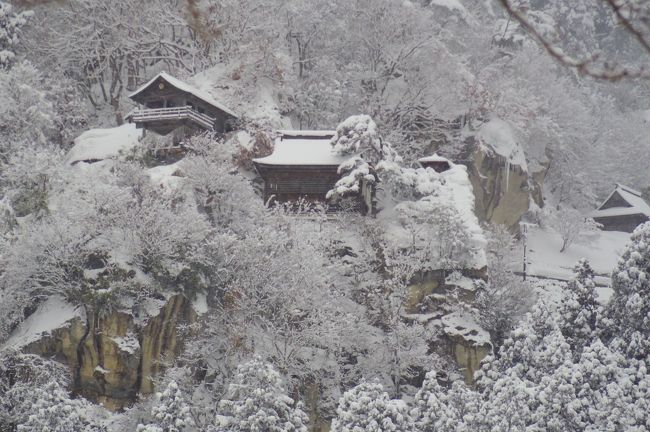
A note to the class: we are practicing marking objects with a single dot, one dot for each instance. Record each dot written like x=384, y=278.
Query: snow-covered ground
x=602, y=249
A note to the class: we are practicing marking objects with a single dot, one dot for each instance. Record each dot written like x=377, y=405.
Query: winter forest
x=309, y=215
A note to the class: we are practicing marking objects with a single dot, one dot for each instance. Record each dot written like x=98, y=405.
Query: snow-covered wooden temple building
x=623, y=210
x=304, y=166
x=437, y=163
x=166, y=103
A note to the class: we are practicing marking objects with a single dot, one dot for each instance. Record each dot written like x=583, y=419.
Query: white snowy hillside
x=324, y=216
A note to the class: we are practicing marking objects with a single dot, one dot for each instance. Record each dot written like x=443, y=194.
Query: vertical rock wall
x=111, y=357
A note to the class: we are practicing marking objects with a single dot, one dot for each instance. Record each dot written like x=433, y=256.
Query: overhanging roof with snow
x=623, y=201
x=302, y=148
x=139, y=94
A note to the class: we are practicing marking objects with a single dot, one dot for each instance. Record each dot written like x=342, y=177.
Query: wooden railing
x=176, y=113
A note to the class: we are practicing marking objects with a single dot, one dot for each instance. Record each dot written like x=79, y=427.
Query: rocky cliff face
x=503, y=192
x=112, y=356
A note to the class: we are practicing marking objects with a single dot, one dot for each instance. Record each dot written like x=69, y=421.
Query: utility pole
x=525, y=238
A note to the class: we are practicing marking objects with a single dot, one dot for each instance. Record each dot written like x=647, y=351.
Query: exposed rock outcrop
x=503, y=192
x=112, y=356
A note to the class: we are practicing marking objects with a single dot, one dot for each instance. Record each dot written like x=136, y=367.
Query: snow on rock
x=463, y=282
x=450, y=188
x=200, y=304
x=463, y=325
x=51, y=315
x=458, y=190
x=498, y=136
x=166, y=176
x=244, y=140
x=128, y=343
x=99, y=144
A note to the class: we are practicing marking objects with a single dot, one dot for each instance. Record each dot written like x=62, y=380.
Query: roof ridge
x=629, y=189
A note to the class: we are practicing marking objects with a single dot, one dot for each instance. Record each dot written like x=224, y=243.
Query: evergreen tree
x=428, y=405
x=10, y=24
x=257, y=401
x=627, y=315
x=54, y=411
x=171, y=413
x=367, y=407
x=579, y=309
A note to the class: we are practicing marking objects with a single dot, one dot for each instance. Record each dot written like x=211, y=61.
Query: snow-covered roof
x=631, y=196
x=100, y=144
x=291, y=148
x=175, y=82
x=433, y=158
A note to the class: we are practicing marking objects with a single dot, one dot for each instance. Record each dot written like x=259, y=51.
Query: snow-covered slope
x=50, y=315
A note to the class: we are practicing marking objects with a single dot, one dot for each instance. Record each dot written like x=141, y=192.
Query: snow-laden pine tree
x=579, y=310
x=627, y=315
x=463, y=408
x=10, y=23
x=608, y=399
x=170, y=413
x=52, y=410
x=358, y=137
x=427, y=405
x=367, y=407
x=257, y=401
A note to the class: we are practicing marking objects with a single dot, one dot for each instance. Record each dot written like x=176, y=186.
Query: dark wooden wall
x=625, y=223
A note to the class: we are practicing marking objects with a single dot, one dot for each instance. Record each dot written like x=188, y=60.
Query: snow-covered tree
x=504, y=299
x=53, y=410
x=627, y=316
x=11, y=22
x=367, y=407
x=257, y=400
x=572, y=226
x=579, y=310
x=359, y=138
x=428, y=404
x=170, y=413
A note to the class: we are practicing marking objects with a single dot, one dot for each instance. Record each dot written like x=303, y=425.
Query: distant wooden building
x=437, y=163
x=303, y=166
x=623, y=210
x=166, y=103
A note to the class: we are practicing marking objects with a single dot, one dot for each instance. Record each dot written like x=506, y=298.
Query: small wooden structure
x=623, y=210
x=437, y=163
x=166, y=103
x=303, y=166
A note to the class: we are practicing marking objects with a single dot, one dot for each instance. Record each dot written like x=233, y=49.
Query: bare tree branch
x=592, y=65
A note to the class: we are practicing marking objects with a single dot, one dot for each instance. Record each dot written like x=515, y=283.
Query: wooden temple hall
x=303, y=166
x=166, y=104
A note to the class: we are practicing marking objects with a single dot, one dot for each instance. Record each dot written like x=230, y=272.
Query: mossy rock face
x=469, y=356
x=431, y=285
x=502, y=192
x=111, y=357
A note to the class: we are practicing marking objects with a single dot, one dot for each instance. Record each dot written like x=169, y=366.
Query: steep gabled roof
x=298, y=147
x=180, y=85
x=637, y=204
